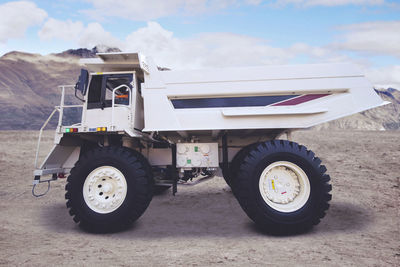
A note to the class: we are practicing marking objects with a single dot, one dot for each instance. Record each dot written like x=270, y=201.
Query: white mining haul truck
x=145, y=129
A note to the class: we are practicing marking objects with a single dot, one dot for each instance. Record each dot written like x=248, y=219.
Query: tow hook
x=37, y=181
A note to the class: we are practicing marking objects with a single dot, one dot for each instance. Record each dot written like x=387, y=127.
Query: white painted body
x=346, y=91
x=350, y=92
x=119, y=118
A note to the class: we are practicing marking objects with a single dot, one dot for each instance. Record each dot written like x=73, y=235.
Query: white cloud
x=207, y=49
x=64, y=30
x=17, y=17
x=317, y=54
x=145, y=10
x=135, y=10
x=342, y=2
x=94, y=34
x=227, y=49
x=388, y=76
x=220, y=49
x=85, y=36
x=381, y=37
x=210, y=49
x=309, y=3
x=253, y=2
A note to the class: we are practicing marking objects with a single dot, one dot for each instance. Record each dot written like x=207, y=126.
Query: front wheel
x=282, y=187
x=109, y=188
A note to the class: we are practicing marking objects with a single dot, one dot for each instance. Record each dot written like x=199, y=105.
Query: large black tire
x=272, y=217
x=139, y=189
x=235, y=164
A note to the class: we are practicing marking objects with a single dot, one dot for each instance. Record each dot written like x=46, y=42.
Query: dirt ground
x=204, y=225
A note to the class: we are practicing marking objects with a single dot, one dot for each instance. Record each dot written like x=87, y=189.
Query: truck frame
x=145, y=129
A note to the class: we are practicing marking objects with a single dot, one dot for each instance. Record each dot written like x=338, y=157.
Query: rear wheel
x=235, y=164
x=109, y=188
x=282, y=187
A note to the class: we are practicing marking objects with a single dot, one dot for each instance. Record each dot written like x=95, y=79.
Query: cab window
x=95, y=89
x=102, y=86
x=121, y=94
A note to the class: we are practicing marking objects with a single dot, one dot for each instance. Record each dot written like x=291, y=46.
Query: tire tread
x=243, y=187
x=141, y=188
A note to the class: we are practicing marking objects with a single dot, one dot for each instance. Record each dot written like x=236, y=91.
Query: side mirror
x=82, y=83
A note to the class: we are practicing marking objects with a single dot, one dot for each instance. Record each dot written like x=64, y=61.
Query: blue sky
x=200, y=33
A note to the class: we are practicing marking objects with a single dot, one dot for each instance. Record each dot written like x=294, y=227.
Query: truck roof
x=116, y=61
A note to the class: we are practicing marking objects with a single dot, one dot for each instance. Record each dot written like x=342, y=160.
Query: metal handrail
x=40, y=135
x=113, y=102
x=70, y=106
x=60, y=109
x=62, y=105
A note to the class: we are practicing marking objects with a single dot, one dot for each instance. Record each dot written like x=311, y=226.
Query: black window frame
x=103, y=103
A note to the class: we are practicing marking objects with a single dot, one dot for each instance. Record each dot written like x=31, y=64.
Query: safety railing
x=60, y=110
x=62, y=104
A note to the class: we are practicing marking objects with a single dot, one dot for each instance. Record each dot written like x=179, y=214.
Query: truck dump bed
x=297, y=96
x=264, y=97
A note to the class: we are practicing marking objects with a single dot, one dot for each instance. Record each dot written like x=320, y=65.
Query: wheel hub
x=284, y=186
x=105, y=189
x=281, y=185
x=108, y=187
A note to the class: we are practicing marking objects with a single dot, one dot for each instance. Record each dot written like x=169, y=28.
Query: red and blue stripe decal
x=300, y=99
x=247, y=101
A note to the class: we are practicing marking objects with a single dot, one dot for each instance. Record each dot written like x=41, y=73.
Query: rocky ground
x=204, y=225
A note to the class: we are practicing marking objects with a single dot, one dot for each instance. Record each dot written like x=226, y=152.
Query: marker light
x=101, y=129
x=71, y=130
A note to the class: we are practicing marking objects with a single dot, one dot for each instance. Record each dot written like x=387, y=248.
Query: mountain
x=382, y=118
x=29, y=86
x=29, y=92
x=86, y=53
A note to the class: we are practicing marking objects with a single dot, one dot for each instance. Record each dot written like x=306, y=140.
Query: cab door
x=110, y=101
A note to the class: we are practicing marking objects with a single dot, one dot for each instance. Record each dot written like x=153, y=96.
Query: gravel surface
x=204, y=225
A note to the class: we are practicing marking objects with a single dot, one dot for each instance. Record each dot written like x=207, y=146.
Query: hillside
x=29, y=86
x=382, y=118
x=29, y=92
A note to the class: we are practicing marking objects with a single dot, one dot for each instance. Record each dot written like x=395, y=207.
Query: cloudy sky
x=201, y=33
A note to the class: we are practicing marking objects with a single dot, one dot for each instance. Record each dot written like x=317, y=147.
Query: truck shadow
x=197, y=214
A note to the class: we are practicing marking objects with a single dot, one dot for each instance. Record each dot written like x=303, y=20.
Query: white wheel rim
x=284, y=186
x=104, y=189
